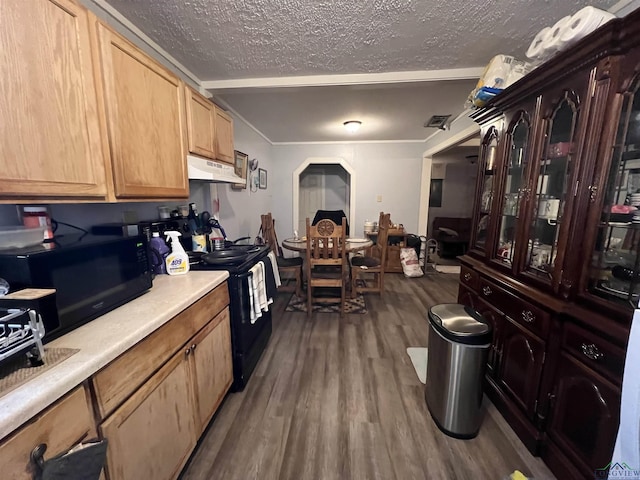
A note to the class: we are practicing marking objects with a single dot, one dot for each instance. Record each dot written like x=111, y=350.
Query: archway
x=351, y=174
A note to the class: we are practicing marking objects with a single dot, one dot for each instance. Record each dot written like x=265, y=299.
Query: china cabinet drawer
x=520, y=311
x=469, y=277
x=592, y=350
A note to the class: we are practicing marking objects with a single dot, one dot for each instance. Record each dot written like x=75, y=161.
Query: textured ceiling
x=387, y=112
x=253, y=39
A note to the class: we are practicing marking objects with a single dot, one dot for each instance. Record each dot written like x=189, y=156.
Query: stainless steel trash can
x=459, y=340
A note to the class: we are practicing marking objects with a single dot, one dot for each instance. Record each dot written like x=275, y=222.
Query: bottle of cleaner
x=177, y=261
x=159, y=251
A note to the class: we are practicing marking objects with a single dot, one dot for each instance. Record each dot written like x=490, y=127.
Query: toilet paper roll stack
x=566, y=31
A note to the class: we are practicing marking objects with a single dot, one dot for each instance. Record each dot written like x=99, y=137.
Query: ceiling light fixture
x=352, y=126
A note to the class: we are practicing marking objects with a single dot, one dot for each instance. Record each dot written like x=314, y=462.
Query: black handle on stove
x=244, y=275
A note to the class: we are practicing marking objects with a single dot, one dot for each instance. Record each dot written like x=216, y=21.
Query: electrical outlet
x=378, y=198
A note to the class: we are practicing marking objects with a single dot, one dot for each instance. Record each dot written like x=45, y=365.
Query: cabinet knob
x=487, y=291
x=528, y=316
x=594, y=193
x=193, y=348
x=187, y=352
x=591, y=351
x=467, y=276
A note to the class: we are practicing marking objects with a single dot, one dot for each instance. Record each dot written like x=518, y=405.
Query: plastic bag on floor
x=410, y=263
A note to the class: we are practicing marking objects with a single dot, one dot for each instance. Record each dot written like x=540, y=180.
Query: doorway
x=322, y=184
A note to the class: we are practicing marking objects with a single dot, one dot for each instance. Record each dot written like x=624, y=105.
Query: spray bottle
x=159, y=251
x=177, y=261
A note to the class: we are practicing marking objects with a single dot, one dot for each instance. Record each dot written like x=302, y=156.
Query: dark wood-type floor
x=339, y=399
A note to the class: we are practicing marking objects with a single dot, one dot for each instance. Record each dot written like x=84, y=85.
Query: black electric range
x=248, y=339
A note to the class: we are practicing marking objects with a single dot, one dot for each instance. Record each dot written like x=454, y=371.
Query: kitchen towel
x=627, y=449
x=274, y=265
x=583, y=22
x=269, y=281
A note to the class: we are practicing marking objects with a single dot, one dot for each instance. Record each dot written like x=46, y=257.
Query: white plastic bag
x=410, y=263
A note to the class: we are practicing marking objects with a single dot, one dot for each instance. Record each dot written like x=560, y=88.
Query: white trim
x=346, y=79
x=126, y=23
x=459, y=137
x=425, y=190
x=324, y=161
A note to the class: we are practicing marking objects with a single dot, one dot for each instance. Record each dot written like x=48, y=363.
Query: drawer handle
x=591, y=351
x=467, y=276
x=528, y=316
x=487, y=291
x=37, y=456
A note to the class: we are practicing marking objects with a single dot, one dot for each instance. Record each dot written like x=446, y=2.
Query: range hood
x=209, y=171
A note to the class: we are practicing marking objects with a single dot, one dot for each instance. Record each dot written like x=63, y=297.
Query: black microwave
x=91, y=274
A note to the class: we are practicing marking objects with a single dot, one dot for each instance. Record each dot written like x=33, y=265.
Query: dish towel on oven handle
x=274, y=266
x=270, y=280
x=258, y=291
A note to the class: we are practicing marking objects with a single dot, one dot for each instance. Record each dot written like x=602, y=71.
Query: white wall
x=391, y=170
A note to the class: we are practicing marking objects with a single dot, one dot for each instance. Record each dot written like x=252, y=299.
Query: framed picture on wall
x=262, y=175
x=240, y=167
x=435, y=194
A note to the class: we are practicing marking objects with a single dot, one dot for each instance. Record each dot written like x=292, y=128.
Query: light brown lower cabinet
x=60, y=427
x=153, y=433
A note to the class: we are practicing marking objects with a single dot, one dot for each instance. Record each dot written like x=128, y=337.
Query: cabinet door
x=521, y=358
x=554, y=180
x=145, y=111
x=152, y=434
x=212, y=369
x=496, y=320
x=612, y=277
x=584, y=416
x=224, y=136
x=514, y=189
x=51, y=141
x=201, y=118
x=61, y=427
x=485, y=186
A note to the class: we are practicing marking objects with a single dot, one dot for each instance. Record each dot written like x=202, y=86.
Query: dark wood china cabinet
x=554, y=260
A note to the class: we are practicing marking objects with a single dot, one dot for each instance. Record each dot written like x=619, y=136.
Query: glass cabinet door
x=514, y=189
x=615, y=262
x=488, y=155
x=551, y=190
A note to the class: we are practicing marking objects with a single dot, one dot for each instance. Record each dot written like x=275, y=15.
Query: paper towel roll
x=553, y=41
x=583, y=22
x=535, y=49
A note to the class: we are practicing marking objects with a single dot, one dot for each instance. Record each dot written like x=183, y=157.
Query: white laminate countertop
x=102, y=340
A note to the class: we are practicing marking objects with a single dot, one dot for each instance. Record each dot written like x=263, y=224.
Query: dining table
x=353, y=244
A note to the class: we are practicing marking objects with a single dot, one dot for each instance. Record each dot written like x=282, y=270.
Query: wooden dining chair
x=290, y=269
x=372, y=263
x=326, y=265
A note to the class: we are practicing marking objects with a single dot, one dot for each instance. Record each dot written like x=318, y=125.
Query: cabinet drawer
x=520, y=311
x=61, y=427
x=118, y=380
x=592, y=350
x=469, y=277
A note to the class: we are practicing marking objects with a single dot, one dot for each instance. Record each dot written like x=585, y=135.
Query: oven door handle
x=244, y=275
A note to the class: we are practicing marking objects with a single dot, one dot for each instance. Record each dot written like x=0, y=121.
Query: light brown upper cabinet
x=201, y=124
x=224, y=136
x=146, y=121
x=50, y=139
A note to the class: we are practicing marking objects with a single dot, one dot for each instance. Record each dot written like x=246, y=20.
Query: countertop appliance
x=92, y=275
x=248, y=339
x=21, y=330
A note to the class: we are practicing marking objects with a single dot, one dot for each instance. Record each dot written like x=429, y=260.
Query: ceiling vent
x=437, y=121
